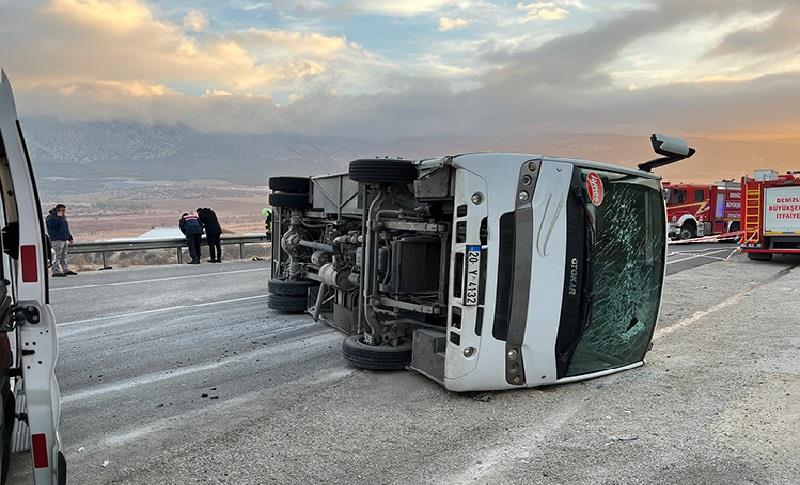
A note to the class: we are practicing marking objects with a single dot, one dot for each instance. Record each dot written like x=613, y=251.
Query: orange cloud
x=112, y=15
x=122, y=41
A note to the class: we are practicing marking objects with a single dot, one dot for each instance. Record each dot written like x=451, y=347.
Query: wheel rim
x=361, y=342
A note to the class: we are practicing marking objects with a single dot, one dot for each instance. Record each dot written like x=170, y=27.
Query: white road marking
x=153, y=280
x=138, y=432
x=244, y=298
x=696, y=256
x=506, y=455
x=290, y=349
x=157, y=310
x=732, y=300
x=695, y=251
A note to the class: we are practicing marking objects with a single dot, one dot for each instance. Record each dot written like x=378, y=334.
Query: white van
x=481, y=271
x=29, y=396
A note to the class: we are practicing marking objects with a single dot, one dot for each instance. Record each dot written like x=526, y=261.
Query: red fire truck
x=771, y=215
x=702, y=210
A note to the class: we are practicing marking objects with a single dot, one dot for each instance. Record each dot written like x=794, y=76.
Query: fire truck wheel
x=760, y=256
x=376, y=357
x=290, y=287
x=287, y=304
x=688, y=231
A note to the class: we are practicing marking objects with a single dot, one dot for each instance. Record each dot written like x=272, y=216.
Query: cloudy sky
x=394, y=68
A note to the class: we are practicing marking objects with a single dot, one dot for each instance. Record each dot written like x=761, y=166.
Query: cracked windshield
x=626, y=260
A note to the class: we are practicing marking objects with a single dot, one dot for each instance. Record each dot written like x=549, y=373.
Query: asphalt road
x=180, y=374
x=681, y=257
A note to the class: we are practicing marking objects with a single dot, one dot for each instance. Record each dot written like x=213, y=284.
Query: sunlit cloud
x=403, y=7
x=447, y=24
x=371, y=69
x=124, y=41
x=779, y=34
x=113, y=15
x=196, y=21
x=541, y=11
x=306, y=43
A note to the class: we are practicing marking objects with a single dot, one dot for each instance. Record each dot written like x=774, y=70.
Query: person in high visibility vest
x=266, y=212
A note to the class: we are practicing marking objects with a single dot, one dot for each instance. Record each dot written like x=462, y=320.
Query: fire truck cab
x=771, y=215
x=702, y=210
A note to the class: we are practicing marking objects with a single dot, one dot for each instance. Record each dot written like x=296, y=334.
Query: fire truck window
x=698, y=196
x=679, y=197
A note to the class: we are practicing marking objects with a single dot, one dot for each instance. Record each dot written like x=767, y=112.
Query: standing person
x=191, y=227
x=213, y=232
x=60, y=238
x=267, y=213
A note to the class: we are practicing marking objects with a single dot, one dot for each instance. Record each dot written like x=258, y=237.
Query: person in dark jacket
x=213, y=232
x=191, y=227
x=60, y=239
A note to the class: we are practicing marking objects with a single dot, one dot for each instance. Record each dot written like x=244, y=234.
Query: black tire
x=376, y=357
x=290, y=201
x=9, y=408
x=688, y=231
x=290, y=287
x=292, y=185
x=734, y=227
x=760, y=256
x=287, y=304
x=382, y=171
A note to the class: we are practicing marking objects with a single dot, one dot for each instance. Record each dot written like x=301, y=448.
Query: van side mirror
x=670, y=148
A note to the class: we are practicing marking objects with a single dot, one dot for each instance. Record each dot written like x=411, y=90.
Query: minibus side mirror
x=670, y=148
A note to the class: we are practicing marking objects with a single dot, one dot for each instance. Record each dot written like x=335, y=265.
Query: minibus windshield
x=623, y=262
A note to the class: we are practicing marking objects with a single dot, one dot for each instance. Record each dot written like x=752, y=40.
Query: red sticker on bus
x=594, y=186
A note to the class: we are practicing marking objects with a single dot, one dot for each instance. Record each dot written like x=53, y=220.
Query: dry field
x=115, y=208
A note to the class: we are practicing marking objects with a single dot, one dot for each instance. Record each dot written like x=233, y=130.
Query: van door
x=33, y=323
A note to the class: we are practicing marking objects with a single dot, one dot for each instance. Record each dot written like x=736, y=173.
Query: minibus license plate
x=472, y=284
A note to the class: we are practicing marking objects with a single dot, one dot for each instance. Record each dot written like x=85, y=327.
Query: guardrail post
x=180, y=255
x=105, y=260
x=241, y=250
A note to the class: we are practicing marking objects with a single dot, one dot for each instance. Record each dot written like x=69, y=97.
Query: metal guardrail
x=105, y=247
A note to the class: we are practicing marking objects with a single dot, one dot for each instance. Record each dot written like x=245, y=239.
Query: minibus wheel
x=287, y=304
x=382, y=171
x=290, y=287
x=376, y=357
x=290, y=201
x=292, y=185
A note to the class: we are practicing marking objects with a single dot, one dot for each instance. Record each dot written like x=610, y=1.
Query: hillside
x=79, y=149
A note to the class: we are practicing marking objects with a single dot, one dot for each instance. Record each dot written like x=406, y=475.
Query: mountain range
x=102, y=149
